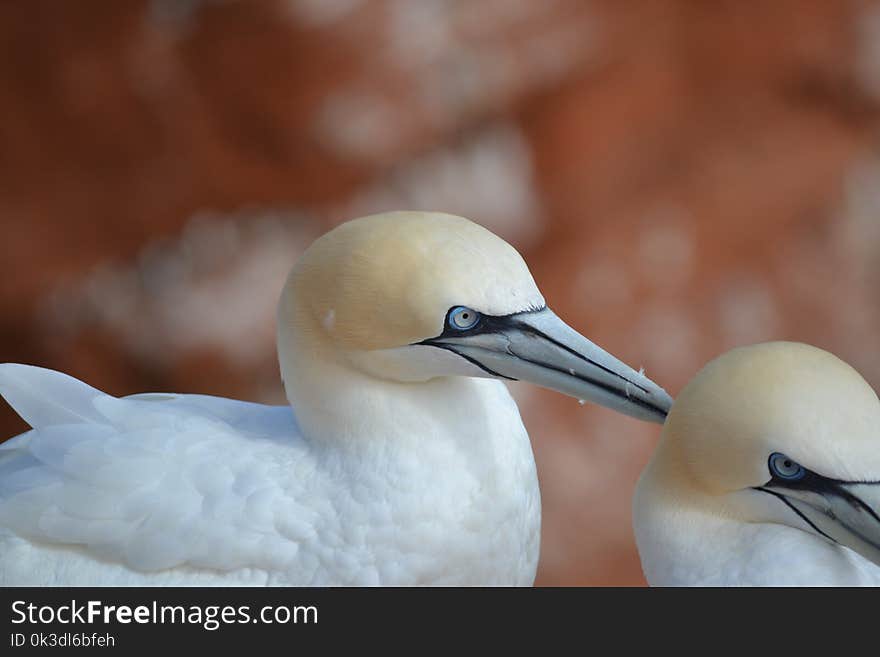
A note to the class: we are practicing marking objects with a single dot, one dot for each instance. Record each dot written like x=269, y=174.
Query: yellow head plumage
x=387, y=280
x=774, y=397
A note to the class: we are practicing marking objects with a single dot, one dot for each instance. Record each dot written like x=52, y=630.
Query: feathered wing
x=44, y=397
x=148, y=481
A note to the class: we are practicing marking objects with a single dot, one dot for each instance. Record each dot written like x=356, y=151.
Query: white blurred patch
x=487, y=178
x=359, y=124
x=604, y=282
x=216, y=287
x=747, y=312
x=666, y=248
x=669, y=337
x=441, y=65
x=419, y=32
x=467, y=59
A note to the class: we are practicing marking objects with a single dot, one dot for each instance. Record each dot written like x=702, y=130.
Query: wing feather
x=45, y=397
x=152, y=481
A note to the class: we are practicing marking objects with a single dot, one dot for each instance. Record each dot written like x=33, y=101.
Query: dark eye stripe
x=798, y=512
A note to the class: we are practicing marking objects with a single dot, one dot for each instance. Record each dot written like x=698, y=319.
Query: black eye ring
x=785, y=468
x=463, y=319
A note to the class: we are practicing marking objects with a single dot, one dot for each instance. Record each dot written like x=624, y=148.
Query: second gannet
x=401, y=459
x=767, y=473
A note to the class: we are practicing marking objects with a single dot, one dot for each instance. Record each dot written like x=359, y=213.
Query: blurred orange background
x=682, y=177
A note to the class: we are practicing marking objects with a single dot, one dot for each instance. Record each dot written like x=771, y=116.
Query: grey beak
x=844, y=512
x=540, y=348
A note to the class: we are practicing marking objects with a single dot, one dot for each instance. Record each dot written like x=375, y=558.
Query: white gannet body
x=767, y=474
x=402, y=458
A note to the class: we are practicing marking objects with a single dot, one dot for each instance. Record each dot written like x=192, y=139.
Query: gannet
x=401, y=459
x=767, y=474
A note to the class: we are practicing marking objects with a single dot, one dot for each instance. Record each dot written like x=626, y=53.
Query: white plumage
x=190, y=489
x=681, y=547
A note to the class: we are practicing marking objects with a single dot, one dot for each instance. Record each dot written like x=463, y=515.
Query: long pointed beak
x=847, y=513
x=540, y=348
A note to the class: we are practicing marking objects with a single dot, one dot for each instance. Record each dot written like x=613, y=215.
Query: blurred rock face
x=681, y=177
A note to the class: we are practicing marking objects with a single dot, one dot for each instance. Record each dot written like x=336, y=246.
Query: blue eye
x=785, y=468
x=462, y=319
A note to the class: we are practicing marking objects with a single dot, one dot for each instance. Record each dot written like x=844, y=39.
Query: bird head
x=781, y=432
x=412, y=296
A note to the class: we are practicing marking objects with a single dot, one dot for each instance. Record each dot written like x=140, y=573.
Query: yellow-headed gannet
x=767, y=473
x=403, y=461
